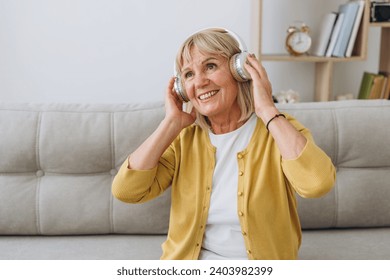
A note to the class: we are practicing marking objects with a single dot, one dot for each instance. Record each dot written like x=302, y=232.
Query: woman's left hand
x=289, y=140
x=262, y=89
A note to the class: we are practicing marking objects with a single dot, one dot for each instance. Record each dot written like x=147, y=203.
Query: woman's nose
x=201, y=80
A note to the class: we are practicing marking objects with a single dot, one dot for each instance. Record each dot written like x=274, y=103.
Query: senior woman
x=233, y=161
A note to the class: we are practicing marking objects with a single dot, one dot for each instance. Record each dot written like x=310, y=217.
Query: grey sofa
x=57, y=162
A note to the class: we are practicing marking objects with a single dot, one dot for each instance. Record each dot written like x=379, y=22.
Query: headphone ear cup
x=178, y=86
x=237, y=68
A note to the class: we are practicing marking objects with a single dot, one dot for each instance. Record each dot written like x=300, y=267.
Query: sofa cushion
x=355, y=135
x=57, y=165
x=74, y=142
x=82, y=247
x=336, y=244
x=19, y=140
x=346, y=244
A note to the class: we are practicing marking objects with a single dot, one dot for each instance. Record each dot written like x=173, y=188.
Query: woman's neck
x=225, y=124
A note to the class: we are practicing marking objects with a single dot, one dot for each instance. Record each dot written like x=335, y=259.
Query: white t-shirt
x=223, y=238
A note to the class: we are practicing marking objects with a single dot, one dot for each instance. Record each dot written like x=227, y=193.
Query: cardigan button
x=240, y=213
x=240, y=156
x=248, y=252
x=241, y=173
x=239, y=193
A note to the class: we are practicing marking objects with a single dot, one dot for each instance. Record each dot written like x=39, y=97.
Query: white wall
x=123, y=50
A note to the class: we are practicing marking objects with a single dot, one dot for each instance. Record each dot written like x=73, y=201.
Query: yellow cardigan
x=267, y=207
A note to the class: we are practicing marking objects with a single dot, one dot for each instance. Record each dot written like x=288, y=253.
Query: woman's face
x=209, y=84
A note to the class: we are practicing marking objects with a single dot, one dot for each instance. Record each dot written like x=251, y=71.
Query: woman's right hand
x=148, y=154
x=174, y=113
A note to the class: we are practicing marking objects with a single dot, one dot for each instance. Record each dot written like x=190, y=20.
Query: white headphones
x=236, y=63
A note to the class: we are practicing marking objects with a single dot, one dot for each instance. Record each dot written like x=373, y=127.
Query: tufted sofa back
x=356, y=135
x=57, y=162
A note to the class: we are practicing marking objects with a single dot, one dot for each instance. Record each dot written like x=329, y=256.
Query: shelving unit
x=324, y=65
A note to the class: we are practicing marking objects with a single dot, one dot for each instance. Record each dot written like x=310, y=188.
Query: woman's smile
x=207, y=95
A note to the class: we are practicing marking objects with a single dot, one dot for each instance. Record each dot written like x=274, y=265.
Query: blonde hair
x=217, y=42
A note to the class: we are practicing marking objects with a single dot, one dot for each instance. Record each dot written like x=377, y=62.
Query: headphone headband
x=241, y=44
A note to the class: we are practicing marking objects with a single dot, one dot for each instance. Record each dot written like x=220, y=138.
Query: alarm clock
x=298, y=40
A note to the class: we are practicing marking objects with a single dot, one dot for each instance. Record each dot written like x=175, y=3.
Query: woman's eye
x=188, y=75
x=211, y=66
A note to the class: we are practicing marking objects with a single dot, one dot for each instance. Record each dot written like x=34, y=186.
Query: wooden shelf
x=380, y=24
x=324, y=65
x=308, y=58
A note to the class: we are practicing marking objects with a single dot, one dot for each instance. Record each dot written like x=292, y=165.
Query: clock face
x=299, y=42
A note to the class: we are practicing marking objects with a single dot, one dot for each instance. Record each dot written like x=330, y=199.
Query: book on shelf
x=374, y=86
x=366, y=85
x=335, y=34
x=349, y=10
x=377, y=86
x=322, y=41
x=355, y=28
x=386, y=87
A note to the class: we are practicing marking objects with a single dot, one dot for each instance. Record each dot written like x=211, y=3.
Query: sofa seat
x=325, y=244
x=346, y=244
x=82, y=247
